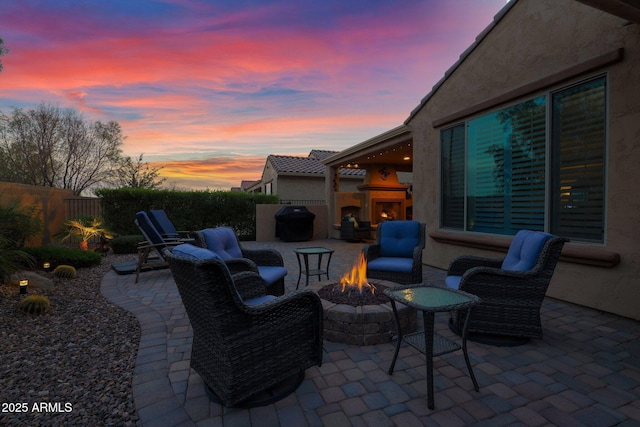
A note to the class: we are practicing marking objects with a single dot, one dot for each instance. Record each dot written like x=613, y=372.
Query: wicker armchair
x=512, y=289
x=355, y=231
x=267, y=262
x=396, y=254
x=246, y=345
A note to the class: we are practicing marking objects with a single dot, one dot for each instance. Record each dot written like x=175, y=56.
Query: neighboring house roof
x=246, y=184
x=322, y=154
x=307, y=165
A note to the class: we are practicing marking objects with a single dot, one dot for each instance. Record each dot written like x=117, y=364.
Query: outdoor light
x=23, y=286
x=46, y=266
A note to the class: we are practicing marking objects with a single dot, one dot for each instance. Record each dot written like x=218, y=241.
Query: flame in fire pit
x=357, y=277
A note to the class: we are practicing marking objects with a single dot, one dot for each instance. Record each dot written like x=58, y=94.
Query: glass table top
x=313, y=250
x=432, y=298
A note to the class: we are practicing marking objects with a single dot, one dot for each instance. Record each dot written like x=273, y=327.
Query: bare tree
x=138, y=174
x=3, y=51
x=56, y=147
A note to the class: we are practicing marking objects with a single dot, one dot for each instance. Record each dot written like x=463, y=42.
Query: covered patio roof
x=394, y=147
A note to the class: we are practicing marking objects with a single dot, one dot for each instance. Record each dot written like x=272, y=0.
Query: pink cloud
x=198, y=78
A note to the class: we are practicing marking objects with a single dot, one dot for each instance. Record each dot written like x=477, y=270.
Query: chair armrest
x=249, y=285
x=289, y=309
x=461, y=264
x=417, y=254
x=371, y=251
x=148, y=245
x=263, y=256
x=238, y=265
x=489, y=282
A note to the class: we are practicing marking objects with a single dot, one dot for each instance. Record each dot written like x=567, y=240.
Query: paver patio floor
x=585, y=372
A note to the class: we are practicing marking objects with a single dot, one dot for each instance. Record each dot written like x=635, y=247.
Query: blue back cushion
x=223, y=241
x=524, y=250
x=162, y=222
x=398, y=238
x=194, y=252
x=147, y=228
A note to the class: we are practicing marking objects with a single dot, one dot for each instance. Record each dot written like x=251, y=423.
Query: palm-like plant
x=85, y=227
x=12, y=259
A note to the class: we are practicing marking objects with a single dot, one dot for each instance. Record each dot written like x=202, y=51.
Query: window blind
x=452, y=177
x=506, y=169
x=579, y=135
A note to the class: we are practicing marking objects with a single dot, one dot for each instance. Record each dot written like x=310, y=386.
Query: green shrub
x=65, y=272
x=58, y=255
x=34, y=304
x=11, y=259
x=188, y=210
x=18, y=223
x=126, y=244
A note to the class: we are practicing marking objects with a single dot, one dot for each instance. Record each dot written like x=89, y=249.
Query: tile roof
x=311, y=165
x=246, y=184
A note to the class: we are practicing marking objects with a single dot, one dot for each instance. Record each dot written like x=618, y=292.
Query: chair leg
x=142, y=257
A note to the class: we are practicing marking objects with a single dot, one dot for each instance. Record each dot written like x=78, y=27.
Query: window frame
x=552, y=166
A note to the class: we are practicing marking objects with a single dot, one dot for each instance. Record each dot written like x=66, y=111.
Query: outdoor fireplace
x=357, y=312
x=380, y=198
x=387, y=210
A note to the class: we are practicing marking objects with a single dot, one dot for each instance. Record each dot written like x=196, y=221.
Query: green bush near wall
x=188, y=210
x=59, y=255
x=126, y=244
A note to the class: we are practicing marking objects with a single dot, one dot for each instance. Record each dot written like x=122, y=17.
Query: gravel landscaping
x=72, y=366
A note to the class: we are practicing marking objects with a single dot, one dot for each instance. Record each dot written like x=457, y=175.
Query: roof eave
x=462, y=58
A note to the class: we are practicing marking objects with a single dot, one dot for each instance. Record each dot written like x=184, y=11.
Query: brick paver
x=586, y=370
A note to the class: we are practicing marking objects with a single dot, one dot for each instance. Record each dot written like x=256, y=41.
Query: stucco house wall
x=532, y=47
x=301, y=187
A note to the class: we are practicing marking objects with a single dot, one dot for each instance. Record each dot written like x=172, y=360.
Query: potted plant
x=85, y=227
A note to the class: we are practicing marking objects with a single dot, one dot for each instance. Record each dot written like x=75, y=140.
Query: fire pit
x=357, y=312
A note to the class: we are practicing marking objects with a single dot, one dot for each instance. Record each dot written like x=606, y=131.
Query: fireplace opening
x=387, y=210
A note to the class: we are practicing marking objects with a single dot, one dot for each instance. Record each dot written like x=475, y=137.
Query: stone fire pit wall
x=364, y=325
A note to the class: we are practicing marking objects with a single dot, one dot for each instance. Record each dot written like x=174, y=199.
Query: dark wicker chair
x=267, y=262
x=396, y=254
x=511, y=299
x=244, y=351
x=349, y=231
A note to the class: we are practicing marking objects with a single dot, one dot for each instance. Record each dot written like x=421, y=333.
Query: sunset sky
x=208, y=88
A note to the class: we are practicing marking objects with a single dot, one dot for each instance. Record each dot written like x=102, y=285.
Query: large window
x=537, y=165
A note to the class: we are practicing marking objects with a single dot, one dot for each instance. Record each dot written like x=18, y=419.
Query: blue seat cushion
x=271, y=273
x=398, y=265
x=260, y=300
x=223, y=241
x=453, y=282
x=190, y=251
x=398, y=238
x=524, y=250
